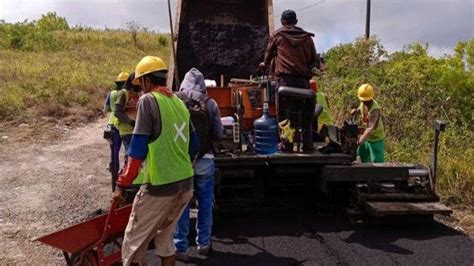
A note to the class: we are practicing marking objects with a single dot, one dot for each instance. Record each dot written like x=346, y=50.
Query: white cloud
x=442, y=23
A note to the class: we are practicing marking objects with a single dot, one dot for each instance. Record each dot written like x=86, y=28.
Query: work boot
x=182, y=256
x=204, y=250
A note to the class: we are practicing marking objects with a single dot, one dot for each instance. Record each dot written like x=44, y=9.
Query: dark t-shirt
x=149, y=123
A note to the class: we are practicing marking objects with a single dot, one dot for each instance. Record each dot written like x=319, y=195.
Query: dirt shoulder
x=49, y=184
x=461, y=220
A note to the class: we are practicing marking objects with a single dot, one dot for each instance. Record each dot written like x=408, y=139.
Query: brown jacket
x=294, y=52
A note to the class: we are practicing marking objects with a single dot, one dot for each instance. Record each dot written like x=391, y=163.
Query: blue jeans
x=204, y=190
x=126, y=139
x=114, y=165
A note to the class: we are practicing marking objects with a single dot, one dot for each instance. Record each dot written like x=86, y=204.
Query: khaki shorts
x=152, y=218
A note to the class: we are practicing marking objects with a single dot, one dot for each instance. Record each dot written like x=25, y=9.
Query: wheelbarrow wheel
x=89, y=259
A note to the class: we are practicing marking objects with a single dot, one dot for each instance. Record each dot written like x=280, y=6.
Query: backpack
x=201, y=120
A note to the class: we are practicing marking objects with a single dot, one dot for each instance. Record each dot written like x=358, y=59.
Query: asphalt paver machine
x=226, y=40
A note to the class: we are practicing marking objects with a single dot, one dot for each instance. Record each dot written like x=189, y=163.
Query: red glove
x=129, y=172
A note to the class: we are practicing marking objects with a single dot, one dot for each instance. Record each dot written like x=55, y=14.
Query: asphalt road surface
x=296, y=239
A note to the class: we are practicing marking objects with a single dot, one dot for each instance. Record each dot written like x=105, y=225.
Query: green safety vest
x=379, y=133
x=325, y=117
x=124, y=128
x=168, y=160
x=112, y=98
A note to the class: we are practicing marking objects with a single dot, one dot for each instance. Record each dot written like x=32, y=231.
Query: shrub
x=51, y=22
x=35, y=35
x=162, y=41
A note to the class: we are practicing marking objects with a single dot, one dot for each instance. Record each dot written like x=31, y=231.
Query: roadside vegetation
x=51, y=71
x=414, y=90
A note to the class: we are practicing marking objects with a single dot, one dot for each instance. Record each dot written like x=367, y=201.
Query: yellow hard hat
x=122, y=77
x=365, y=92
x=147, y=65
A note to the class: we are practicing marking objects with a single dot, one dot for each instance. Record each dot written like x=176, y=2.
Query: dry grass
x=72, y=79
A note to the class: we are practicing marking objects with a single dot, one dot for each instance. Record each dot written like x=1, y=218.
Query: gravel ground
x=47, y=186
x=52, y=184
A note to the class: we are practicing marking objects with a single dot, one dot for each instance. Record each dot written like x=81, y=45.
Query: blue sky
x=441, y=23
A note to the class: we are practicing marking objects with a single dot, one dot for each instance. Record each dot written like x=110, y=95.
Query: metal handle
x=440, y=126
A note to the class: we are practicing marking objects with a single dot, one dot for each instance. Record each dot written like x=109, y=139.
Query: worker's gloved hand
x=129, y=173
x=118, y=196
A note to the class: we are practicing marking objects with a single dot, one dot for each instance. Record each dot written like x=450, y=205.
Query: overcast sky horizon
x=441, y=23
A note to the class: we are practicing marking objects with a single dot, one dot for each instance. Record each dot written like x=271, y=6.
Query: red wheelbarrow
x=93, y=242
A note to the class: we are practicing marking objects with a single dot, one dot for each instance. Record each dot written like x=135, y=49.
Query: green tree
x=51, y=22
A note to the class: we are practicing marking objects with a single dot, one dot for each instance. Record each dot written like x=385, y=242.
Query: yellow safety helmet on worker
x=122, y=77
x=365, y=92
x=149, y=64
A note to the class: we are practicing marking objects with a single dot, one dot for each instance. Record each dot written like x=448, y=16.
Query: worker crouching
x=161, y=142
x=371, y=142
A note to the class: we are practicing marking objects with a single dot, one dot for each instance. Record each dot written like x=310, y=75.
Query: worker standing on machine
x=294, y=54
x=371, y=142
x=206, y=118
x=113, y=133
x=126, y=110
x=163, y=137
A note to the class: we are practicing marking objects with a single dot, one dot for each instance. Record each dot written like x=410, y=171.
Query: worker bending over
x=160, y=162
x=294, y=56
x=371, y=142
x=206, y=118
x=115, y=140
x=126, y=110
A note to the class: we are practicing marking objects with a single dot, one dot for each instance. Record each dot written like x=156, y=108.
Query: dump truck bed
x=222, y=37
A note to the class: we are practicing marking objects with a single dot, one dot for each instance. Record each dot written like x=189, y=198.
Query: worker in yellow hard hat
x=112, y=132
x=164, y=138
x=371, y=142
x=126, y=109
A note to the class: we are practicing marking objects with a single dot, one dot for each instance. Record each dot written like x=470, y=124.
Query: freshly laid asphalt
x=300, y=239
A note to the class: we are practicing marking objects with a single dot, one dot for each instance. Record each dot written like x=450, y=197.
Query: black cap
x=289, y=16
x=129, y=85
x=131, y=77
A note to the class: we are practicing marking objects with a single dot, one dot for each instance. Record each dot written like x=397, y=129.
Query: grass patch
x=47, y=71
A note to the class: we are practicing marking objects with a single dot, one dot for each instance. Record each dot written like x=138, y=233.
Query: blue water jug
x=266, y=133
